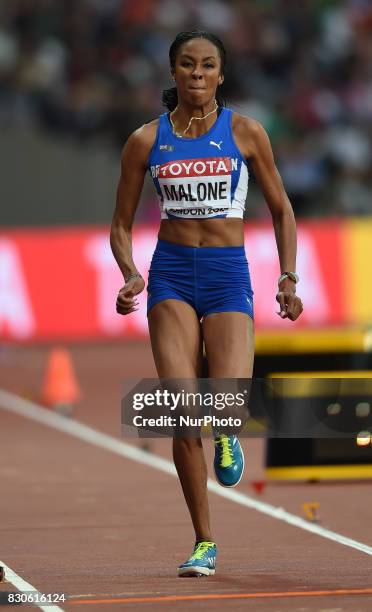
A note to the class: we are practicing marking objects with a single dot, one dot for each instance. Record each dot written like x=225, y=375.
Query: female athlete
x=199, y=287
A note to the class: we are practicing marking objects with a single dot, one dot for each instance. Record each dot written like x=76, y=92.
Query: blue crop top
x=199, y=178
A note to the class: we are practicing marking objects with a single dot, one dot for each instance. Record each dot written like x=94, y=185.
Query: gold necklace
x=192, y=118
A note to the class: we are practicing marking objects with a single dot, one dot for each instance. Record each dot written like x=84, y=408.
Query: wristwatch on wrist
x=291, y=275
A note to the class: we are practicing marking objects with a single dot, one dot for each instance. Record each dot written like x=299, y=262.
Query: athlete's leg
x=176, y=342
x=229, y=344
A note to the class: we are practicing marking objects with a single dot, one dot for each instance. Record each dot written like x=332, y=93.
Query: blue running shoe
x=202, y=561
x=228, y=460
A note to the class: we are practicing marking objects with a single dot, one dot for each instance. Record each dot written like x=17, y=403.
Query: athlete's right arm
x=133, y=168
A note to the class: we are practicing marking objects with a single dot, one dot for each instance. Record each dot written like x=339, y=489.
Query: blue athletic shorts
x=210, y=279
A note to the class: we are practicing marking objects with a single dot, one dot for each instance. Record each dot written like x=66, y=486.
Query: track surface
x=109, y=532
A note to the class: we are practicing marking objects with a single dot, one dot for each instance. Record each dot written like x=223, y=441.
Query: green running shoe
x=201, y=563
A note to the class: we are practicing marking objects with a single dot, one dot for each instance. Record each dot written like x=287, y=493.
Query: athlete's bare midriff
x=203, y=232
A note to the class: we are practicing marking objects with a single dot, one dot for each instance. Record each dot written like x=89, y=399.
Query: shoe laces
x=201, y=549
x=227, y=457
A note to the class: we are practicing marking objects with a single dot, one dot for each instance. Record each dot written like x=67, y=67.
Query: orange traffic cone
x=60, y=389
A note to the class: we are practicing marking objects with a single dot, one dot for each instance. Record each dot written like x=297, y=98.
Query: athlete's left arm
x=259, y=152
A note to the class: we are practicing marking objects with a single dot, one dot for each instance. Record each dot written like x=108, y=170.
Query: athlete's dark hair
x=170, y=96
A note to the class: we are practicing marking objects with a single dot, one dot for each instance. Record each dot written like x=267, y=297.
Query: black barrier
x=342, y=405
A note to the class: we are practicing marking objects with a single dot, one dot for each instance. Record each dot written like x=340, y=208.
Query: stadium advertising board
x=62, y=283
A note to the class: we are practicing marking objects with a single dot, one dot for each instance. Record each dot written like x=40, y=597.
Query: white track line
x=25, y=587
x=25, y=408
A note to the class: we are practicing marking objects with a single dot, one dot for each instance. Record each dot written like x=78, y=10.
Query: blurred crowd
x=91, y=69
